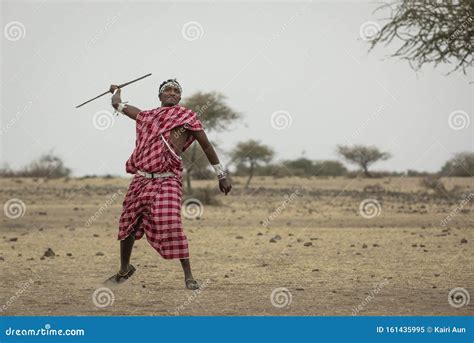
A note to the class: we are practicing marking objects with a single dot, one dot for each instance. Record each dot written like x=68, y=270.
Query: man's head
x=170, y=93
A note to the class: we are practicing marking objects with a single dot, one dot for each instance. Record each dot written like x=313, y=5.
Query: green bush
x=46, y=166
x=462, y=164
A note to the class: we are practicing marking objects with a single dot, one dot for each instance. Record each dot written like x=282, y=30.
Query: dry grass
x=328, y=256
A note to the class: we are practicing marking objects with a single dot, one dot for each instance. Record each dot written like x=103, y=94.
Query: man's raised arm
x=129, y=111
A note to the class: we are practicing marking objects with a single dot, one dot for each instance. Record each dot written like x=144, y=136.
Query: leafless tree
x=429, y=32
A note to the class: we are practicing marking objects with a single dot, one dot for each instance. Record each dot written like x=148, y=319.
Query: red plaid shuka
x=153, y=206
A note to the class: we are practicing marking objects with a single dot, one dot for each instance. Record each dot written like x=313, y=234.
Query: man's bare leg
x=188, y=275
x=126, y=246
x=126, y=269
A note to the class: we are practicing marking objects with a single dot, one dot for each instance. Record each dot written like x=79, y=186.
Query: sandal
x=119, y=277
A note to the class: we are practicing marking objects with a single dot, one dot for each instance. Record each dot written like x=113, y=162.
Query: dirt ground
x=303, y=239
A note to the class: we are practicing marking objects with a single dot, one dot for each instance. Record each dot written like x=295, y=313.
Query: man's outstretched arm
x=201, y=137
x=129, y=111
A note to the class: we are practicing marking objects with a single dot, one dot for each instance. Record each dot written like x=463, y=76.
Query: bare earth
x=328, y=257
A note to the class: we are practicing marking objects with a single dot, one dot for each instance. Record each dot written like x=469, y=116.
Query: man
x=152, y=205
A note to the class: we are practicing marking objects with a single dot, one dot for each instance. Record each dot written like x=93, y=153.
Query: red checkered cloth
x=153, y=206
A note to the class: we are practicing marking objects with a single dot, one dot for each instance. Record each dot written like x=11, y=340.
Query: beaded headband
x=171, y=83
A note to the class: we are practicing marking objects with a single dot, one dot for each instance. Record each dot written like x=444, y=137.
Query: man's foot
x=191, y=284
x=120, y=277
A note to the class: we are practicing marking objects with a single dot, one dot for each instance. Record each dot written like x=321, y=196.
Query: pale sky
x=306, y=60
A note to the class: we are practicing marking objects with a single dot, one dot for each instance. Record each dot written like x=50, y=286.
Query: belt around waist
x=154, y=175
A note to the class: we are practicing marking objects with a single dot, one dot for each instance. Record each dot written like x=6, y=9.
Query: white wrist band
x=121, y=106
x=220, y=171
x=218, y=168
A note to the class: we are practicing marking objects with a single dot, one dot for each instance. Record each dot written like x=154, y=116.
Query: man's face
x=170, y=96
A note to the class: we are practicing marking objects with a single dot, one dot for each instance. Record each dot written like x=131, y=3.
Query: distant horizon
x=350, y=168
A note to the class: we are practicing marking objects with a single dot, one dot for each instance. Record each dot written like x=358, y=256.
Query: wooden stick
x=120, y=86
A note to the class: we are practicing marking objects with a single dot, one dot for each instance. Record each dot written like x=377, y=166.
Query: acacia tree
x=251, y=153
x=430, y=32
x=215, y=116
x=462, y=164
x=363, y=156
